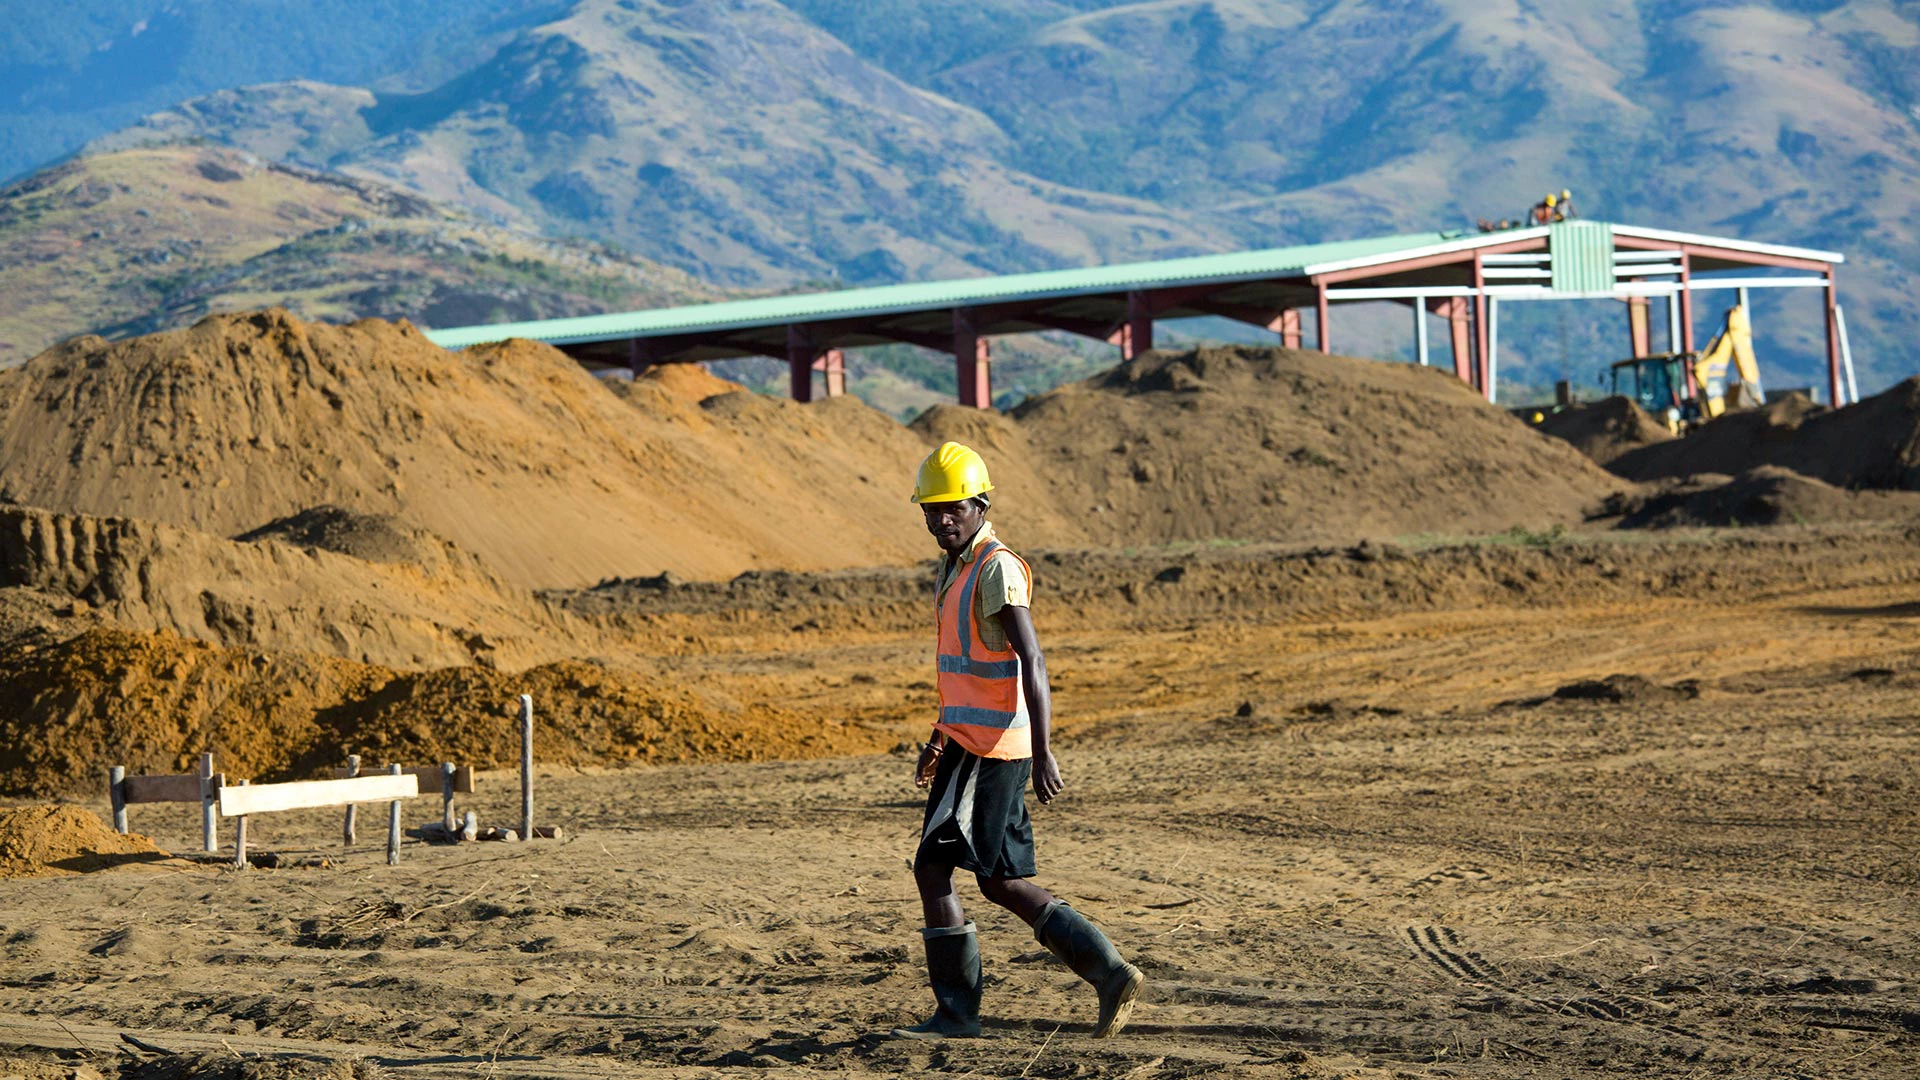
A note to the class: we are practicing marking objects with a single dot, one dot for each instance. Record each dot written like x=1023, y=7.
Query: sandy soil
x=1376, y=834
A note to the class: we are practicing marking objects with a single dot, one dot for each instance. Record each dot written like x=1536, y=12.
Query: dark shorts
x=977, y=816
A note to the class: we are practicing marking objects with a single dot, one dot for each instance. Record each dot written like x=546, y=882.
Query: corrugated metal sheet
x=1582, y=256
x=933, y=295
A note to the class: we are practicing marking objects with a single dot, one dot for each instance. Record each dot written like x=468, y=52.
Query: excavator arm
x=1732, y=345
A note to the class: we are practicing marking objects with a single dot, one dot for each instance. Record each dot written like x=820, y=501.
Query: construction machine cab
x=1657, y=384
x=1661, y=384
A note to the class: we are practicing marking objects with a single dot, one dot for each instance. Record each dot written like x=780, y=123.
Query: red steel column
x=1136, y=336
x=1290, y=328
x=800, y=363
x=973, y=363
x=1834, y=397
x=1480, y=343
x=1326, y=342
x=832, y=364
x=1454, y=310
x=1639, y=310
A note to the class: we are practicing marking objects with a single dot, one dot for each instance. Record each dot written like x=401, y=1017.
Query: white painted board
x=264, y=798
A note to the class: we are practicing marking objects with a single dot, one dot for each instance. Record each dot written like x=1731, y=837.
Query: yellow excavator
x=1659, y=384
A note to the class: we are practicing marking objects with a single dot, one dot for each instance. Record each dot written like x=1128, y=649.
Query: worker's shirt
x=1003, y=583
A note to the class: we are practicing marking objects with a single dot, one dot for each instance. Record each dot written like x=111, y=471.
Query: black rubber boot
x=953, y=967
x=1081, y=946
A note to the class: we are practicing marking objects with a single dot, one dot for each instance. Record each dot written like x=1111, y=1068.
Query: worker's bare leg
x=938, y=902
x=1018, y=895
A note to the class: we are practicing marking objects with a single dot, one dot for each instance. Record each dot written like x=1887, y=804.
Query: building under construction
x=1461, y=280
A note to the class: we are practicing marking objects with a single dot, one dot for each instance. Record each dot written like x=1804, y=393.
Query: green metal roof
x=1589, y=242
x=934, y=295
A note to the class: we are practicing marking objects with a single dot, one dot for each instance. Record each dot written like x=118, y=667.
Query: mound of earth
x=511, y=451
x=1605, y=429
x=1268, y=443
x=1874, y=443
x=1620, y=689
x=437, y=607
x=36, y=841
x=374, y=537
x=155, y=702
x=1768, y=495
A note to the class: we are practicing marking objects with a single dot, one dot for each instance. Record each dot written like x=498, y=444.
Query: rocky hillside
x=150, y=239
x=766, y=144
x=741, y=142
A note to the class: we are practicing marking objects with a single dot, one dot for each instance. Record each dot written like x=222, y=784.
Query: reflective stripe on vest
x=983, y=705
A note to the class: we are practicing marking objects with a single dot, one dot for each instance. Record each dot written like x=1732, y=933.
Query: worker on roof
x=1565, y=208
x=1542, y=213
x=993, y=737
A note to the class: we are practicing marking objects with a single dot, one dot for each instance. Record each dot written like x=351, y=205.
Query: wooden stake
x=526, y=765
x=446, y=796
x=393, y=823
x=240, y=839
x=353, y=769
x=209, y=813
x=117, y=796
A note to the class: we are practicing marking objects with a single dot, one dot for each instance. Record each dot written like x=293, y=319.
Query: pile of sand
x=1269, y=444
x=511, y=451
x=37, y=841
x=1874, y=443
x=1767, y=495
x=155, y=702
x=439, y=606
x=1603, y=430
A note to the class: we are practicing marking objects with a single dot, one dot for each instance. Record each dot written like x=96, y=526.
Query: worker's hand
x=1046, y=778
x=929, y=763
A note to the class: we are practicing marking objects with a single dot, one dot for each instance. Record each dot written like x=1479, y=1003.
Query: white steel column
x=1846, y=355
x=1493, y=349
x=1420, y=330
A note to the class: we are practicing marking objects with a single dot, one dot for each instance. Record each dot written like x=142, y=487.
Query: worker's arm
x=1017, y=622
x=929, y=759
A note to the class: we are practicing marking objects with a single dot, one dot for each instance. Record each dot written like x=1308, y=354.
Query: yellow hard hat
x=1552, y=198
x=1565, y=195
x=951, y=474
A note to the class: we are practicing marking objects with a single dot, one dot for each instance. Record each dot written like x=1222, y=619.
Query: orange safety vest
x=983, y=702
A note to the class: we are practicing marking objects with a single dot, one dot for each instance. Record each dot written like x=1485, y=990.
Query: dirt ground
x=1381, y=831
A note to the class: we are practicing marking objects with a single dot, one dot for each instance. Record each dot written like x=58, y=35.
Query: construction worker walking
x=993, y=736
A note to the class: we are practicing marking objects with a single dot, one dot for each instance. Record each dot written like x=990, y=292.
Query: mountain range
x=758, y=145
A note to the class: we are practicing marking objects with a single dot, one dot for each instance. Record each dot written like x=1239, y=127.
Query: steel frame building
x=1461, y=278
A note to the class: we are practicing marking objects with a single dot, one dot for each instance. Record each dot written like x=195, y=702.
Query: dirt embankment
x=1874, y=443
x=1603, y=430
x=1766, y=495
x=1242, y=443
x=1219, y=586
x=511, y=451
x=155, y=702
x=423, y=603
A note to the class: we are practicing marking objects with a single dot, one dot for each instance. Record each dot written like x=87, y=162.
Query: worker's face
x=953, y=523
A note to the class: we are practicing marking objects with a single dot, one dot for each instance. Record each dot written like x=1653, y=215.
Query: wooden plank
x=237, y=801
x=429, y=776
x=180, y=787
